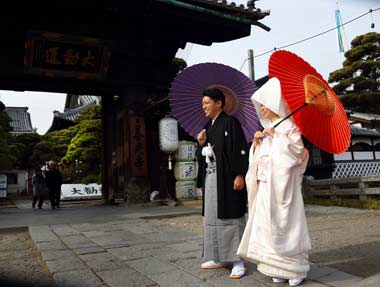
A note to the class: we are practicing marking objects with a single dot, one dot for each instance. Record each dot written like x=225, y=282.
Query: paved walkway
x=100, y=245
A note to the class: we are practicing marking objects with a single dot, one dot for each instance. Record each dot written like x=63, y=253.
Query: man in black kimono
x=223, y=163
x=53, y=179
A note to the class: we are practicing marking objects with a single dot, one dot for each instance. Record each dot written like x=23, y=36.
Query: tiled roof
x=75, y=101
x=247, y=14
x=232, y=8
x=66, y=119
x=358, y=131
x=70, y=115
x=364, y=116
x=84, y=100
x=20, y=120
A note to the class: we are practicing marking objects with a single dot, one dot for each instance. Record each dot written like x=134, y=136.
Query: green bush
x=352, y=203
x=92, y=178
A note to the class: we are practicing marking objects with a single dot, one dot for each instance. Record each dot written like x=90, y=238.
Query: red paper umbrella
x=315, y=107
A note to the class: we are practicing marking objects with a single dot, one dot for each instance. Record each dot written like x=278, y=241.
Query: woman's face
x=267, y=113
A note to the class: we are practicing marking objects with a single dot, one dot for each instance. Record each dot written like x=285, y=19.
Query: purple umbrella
x=186, y=97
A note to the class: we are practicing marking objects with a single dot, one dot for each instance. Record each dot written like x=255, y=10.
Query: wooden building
x=19, y=180
x=21, y=122
x=74, y=105
x=363, y=156
x=121, y=51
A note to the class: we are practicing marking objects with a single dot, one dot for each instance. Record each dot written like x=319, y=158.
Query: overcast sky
x=290, y=21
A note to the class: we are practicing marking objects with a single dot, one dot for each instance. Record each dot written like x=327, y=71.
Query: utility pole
x=251, y=67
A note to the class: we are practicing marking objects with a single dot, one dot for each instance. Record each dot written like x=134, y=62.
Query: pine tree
x=7, y=160
x=358, y=81
x=84, y=151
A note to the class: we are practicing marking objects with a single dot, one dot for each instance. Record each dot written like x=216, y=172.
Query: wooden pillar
x=373, y=148
x=106, y=145
x=362, y=187
x=333, y=190
x=133, y=100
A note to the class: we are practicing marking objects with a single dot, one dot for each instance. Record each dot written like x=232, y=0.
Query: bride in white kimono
x=276, y=237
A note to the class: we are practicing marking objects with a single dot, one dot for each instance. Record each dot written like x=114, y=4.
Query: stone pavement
x=128, y=246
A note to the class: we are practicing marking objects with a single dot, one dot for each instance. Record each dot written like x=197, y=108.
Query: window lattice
x=350, y=169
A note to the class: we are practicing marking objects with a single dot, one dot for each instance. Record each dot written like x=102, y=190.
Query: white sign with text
x=81, y=191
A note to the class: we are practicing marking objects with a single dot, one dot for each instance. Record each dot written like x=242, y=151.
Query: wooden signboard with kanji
x=138, y=150
x=60, y=55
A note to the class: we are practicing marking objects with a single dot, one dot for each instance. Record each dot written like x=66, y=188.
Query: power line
x=242, y=65
x=319, y=34
x=314, y=36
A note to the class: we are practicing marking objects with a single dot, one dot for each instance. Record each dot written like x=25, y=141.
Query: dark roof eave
x=237, y=18
x=75, y=111
x=58, y=124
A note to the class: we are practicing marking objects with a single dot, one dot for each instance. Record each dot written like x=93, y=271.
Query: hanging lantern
x=168, y=134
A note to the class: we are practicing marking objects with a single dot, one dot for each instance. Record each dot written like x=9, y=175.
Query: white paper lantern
x=168, y=134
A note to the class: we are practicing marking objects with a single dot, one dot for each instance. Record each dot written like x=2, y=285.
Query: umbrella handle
x=300, y=107
x=292, y=113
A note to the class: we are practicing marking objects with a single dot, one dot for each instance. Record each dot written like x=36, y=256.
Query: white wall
x=22, y=176
x=363, y=155
x=343, y=156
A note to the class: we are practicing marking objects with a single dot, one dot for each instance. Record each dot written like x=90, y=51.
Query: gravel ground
x=342, y=238
x=20, y=262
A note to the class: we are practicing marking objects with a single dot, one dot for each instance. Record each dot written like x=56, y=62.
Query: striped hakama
x=221, y=236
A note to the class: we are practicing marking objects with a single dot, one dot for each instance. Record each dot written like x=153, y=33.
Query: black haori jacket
x=231, y=152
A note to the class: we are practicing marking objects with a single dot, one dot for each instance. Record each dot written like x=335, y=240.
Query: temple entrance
x=122, y=53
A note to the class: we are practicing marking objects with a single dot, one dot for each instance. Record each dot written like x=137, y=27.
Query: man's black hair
x=215, y=94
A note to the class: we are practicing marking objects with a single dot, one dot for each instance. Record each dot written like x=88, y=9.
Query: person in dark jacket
x=39, y=188
x=223, y=163
x=53, y=178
